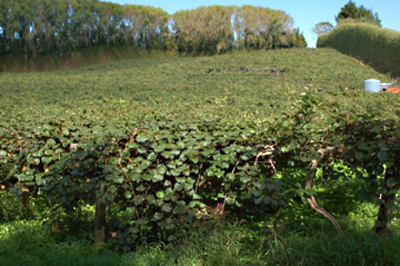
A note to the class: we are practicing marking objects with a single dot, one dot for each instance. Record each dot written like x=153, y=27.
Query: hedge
x=376, y=46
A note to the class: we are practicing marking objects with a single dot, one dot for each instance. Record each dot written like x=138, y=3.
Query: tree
x=322, y=28
x=299, y=40
x=362, y=14
x=205, y=29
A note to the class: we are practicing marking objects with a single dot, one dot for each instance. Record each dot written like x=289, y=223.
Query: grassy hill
x=249, y=82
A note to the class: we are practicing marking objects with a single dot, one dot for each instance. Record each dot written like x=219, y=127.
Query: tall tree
x=154, y=27
x=4, y=26
x=207, y=29
x=358, y=13
x=110, y=23
x=299, y=40
x=35, y=26
x=131, y=24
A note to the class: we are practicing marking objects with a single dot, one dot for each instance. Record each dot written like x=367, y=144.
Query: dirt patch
x=395, y=89
x=246, y=69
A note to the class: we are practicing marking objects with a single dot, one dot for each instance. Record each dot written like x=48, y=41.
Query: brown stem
x=311, y=200
x=198, y=178
x=384, y=222
x=25, y=198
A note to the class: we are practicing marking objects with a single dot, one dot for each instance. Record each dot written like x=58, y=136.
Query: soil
x=394, y=89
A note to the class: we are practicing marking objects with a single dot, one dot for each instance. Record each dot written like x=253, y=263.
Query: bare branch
x=311, y=199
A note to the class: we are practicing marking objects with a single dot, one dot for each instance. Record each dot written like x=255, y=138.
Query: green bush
x=163, y=174
x=377, y=46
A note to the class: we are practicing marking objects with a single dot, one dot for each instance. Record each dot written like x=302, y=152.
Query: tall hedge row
x=377, y=46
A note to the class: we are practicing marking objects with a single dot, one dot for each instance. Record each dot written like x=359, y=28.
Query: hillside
x=250, y=82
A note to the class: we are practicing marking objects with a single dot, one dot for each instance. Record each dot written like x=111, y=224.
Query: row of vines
x=159, y=176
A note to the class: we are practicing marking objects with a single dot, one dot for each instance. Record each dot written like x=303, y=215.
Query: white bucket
x=372, y=85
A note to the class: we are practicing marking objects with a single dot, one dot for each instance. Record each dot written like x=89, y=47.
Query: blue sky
x=306, y=13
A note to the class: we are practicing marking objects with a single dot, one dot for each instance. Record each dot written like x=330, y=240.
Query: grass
x=233, y=243
x=295, y=235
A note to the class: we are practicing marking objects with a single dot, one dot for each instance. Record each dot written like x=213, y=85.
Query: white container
x=384, y=86
x=372, y=85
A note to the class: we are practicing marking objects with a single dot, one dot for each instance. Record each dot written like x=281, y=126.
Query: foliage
x=299, y=41
x=358, y=13
x=322, y=28
x=29, y=29
x=94, y=134
x=372, y=44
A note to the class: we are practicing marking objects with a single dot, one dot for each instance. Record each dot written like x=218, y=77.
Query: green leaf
x=391, y=182
x=138, y=199
x=144, y=138
x=47, y=160
x=158, y=148
x=131, y=145
x=65, y=180
x=179, y=209
x=142, y=150
x=152, y=156
x=172, y=238
x=135, y=177
x=178, y=187
x=39, y=153
x=158, y=215
x=162, y=169
x=359, y=155
x=128, y=194
x=160, y=194
x=157, y=178
x=166, y=208
x=383, y=156
x=188, y=218
x=143, y=220
x=118, y=179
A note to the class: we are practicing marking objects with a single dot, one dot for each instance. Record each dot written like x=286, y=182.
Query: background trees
x=41, y=26
x=322, y=28
x=358, y=13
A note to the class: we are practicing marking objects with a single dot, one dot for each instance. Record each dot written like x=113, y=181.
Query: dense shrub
x=377, y=46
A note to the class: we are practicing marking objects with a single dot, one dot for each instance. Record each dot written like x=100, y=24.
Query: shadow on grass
x=31, y=243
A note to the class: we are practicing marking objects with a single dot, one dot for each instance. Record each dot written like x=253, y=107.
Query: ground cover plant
x=200, y=161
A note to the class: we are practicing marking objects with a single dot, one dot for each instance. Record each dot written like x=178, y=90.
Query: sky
x=306, y=13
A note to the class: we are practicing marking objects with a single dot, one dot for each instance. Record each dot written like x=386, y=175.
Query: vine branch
x=311, y=199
